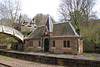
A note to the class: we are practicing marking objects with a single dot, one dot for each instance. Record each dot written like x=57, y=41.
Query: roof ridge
x=32, y=32
x=53, y=24
x=60, y=23
x=73, y=29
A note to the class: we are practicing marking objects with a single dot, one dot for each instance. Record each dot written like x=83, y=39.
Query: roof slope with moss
x=59, y=30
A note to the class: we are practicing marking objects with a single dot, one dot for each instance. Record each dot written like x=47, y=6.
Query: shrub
x=26, y=32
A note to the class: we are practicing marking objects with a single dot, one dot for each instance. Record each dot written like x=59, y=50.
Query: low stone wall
x=3, y=47
x=17, y=46
x=52, y=60
x=89, y=47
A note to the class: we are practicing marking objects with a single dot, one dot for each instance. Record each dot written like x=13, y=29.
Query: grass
x=91, y=57
x=4, y=56
x=88, y=55
x=85, y=53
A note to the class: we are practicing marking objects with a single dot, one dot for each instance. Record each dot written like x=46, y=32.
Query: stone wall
x=17, y=46
x=34, y=47
x=59, y=48
x=3, y=47
x=52, y=60
x=89, y=47
x=59, y=45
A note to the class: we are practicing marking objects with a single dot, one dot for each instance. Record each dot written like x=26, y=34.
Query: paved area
x=84, y=56
x=93, y=56
x=22, y=63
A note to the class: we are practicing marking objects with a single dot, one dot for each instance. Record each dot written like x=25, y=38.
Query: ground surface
x=22, y=63
x=85, y=56
x=92, y=56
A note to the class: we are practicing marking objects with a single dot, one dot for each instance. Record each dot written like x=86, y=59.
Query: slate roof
x=37, y=33
x=59, y=30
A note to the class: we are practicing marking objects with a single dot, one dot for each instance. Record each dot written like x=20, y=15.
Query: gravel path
x=22, y=63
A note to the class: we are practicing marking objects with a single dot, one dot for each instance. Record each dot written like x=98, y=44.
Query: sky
x=97, y=8
x=33, y=7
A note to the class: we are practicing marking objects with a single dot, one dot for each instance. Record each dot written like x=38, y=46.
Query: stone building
x=25, y=24
x=56, y=38
x=28, y=24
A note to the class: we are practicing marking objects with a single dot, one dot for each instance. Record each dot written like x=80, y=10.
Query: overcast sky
x=33, y=7
x=97, y=8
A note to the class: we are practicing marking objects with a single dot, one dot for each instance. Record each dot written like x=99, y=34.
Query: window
x=68, y=43
x=39, y=43
x=64, y=43
x=53, y=43
x=30, y=43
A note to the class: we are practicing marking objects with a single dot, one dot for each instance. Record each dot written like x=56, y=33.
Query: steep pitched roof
x=37, y=33
x=59, y=30
x=49, y=25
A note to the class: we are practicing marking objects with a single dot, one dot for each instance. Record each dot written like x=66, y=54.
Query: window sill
x=30, y=46
x=53, y=47
x=39, y=47
x=66, y=48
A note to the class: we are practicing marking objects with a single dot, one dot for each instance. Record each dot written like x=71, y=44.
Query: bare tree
x=41, y=19
x=9, y=10
x=76, y=10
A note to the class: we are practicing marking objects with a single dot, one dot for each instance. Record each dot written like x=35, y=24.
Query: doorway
x=46, y=45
